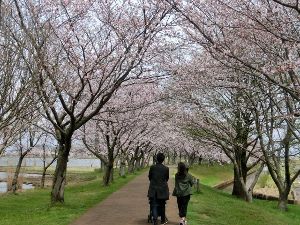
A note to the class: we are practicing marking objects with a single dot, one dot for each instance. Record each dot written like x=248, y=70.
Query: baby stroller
x=150, y=216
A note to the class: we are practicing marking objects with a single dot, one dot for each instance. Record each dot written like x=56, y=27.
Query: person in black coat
x=158, y=192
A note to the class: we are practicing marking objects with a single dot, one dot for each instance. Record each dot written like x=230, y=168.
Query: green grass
x=212, y=207
x=50, y=170
x=32, y=207
x=211, y=175
x=265, y=181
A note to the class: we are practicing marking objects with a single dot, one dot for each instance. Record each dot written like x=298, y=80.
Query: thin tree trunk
x=14, y=186
x=147, y=162
x=174, y=158
x=122, y=166
x=200, y=160
x=143, y=164
x=43, y=178
x=142, y=160
x=137, y=165
x=122, y=172
x=131, y=166
x=102, y=165
x=59, y=179
x=45, y=167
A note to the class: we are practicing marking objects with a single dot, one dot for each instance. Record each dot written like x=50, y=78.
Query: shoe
x=155, y=222
x=164, y=222
x=181, y=222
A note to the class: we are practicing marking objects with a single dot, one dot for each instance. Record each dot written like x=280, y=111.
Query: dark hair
x=182, y=169
x=160, y=157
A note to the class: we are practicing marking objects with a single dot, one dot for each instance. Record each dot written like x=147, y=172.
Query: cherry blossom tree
x=15, y=97
x=48, y=155
x=213, y=108
x=278, y=132
x=80, y=54
x=28, y=138
x=259, y=39
x=119, y=131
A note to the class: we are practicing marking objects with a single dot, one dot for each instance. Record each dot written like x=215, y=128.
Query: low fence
x=197, y=185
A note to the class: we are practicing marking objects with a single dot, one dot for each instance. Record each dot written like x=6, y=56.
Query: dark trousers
x=158, y=208
x=182, y=203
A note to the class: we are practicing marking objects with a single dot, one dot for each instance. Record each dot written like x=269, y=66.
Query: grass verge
x=32, y=207
x=213, y=207
x=211, y=175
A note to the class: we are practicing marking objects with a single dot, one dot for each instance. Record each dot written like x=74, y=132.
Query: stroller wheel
x=150, y=219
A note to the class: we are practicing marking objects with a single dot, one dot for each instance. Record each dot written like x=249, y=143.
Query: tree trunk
x=43, y=178
x=59, y=179
x=131, y=166
x=174, y=158
x=147, y=160
x=191, y=159
x=240, y=174
x=109, y=168
x=116, y=163
x=239, y=188
x=137, y=164
x=283, y=201
x=200, y=160
x=154, y=159
x=109, y=172
x=185, y=158
x=102, y=166
x=45, y=167
x=44, y=171
x=14, y=186
x=142, y=160
x=249, y=196
x=143, y=164
x=122, y=172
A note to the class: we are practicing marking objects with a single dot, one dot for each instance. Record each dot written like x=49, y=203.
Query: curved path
x=127, y=206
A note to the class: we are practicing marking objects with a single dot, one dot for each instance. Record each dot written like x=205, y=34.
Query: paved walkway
x=128, y=206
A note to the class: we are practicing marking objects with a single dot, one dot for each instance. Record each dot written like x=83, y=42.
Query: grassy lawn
x=211, y=175
x=213, y=207
x=32, y=207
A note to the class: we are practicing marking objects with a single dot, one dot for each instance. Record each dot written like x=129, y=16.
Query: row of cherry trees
x=65, y=61
x=238, y=85
x=200, y=79
x=124, y=130
x=86, y=72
